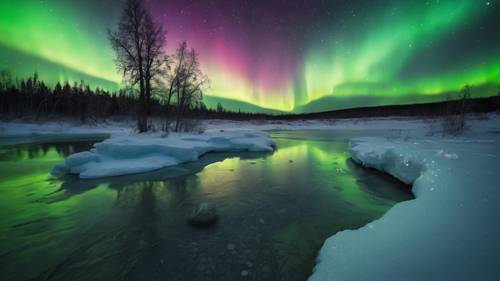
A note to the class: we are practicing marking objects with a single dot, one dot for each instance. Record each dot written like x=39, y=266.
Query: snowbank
x=121, y=155
x=449, y=232
x=23, y=129
x=394, y=123
x=19, y=132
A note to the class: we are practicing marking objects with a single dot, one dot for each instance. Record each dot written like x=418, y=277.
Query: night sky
x=285, y=55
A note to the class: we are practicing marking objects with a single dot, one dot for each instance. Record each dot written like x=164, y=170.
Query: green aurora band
x=379, y=56
x=60, y=44
x=369, y=64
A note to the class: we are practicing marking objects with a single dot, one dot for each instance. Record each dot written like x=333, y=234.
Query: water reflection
x=42, y=150
x=275, y=209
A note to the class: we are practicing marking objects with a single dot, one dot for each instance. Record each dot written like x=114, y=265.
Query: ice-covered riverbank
x=449, y=232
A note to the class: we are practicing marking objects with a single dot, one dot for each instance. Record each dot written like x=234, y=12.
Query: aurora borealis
x=284, y=55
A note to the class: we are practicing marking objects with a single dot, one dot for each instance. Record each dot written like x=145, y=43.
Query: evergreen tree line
x=33, y=98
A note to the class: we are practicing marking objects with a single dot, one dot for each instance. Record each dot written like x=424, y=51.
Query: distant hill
x=335, y=103
x=474, y=105
x=331, y=103
x=234, y=105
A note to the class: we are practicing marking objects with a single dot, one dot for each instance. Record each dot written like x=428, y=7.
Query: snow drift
x=121, y=155
x=449, y=232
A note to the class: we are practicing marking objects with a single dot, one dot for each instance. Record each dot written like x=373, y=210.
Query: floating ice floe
x=122, y=155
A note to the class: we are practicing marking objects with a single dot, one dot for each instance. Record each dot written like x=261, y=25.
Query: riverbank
x=449, y=232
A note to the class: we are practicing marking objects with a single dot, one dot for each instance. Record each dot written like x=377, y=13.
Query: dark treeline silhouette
x=433, y=109
x=32, y=98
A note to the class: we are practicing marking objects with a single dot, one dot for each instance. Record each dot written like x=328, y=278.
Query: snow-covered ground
x=58, y=129
x=450, y=231
x=18, y=132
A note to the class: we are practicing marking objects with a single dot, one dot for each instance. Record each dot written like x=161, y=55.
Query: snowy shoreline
x=450, y=231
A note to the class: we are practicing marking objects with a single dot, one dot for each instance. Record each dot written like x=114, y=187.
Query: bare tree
x=455, y=116
x=139, y=44
x=156, y=61
x=185, y=84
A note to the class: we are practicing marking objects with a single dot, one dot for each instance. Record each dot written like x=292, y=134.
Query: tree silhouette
x=220, y=109
x=138, y=44
x=186, y=82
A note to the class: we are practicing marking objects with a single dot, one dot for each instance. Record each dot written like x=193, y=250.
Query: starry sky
x=291, y=56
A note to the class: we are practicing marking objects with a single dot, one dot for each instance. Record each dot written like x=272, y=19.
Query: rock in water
x=230, y=246
x=204, y=215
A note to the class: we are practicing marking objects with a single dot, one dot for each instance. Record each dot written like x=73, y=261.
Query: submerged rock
x=204, y=215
